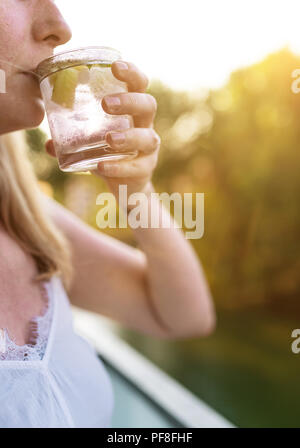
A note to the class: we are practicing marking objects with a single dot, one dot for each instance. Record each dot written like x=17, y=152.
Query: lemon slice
x=103, y=82
x=52, y=79
x=65, y=84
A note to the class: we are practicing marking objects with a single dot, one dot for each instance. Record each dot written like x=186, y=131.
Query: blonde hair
x=23, y=215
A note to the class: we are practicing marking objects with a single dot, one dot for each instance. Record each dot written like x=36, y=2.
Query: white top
x=57, y=383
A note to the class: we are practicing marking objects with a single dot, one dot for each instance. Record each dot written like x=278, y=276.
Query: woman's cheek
x=12, y=37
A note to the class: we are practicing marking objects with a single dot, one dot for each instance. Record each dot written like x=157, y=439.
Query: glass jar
x=73, y=84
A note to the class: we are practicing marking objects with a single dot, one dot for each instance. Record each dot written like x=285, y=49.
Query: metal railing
x=168, y=394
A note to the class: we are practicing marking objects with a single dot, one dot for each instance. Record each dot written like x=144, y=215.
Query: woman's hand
x=136, y=173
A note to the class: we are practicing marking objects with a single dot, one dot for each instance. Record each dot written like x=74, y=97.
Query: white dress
x=59, y=382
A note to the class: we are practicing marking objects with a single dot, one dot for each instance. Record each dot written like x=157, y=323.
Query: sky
x=187, y=44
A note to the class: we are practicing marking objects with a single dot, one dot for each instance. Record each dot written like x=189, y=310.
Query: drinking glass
x=73, y=84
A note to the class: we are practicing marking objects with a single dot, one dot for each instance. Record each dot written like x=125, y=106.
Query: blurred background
x=221, y=72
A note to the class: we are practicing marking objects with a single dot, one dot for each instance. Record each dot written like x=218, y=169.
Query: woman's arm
x=159, y=290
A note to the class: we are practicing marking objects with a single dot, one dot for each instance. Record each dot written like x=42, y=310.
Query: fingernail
x=121, y=66
x=117, y=138
x=113, y=102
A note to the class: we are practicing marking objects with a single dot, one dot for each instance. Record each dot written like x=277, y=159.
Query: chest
x=20, y=296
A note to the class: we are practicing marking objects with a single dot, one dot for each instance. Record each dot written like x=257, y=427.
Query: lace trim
x=39, y=331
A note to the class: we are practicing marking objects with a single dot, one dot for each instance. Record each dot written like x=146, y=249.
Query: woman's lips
x=31, y=74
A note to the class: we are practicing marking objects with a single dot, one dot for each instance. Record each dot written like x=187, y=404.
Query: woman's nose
x=49, y=25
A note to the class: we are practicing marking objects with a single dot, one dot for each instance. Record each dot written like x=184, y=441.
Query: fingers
x=141, y=167
x=129, y=73
x=141, y=106
x=144, y=140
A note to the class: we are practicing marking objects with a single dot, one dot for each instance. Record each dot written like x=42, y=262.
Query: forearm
x=175, y=281
x=159, y=290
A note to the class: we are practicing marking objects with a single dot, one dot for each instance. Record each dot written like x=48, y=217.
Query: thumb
x=50, y=148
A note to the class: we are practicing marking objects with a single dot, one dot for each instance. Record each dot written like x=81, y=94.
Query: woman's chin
x=36, y=114
x=25, y=113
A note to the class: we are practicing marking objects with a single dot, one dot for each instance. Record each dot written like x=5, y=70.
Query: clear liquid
x=78, y=133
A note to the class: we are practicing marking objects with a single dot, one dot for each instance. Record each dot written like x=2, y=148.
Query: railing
x=160, y=401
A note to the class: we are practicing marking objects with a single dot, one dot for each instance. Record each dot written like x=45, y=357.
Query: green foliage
x=246, y=161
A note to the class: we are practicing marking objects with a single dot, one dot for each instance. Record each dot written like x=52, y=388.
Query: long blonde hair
x=22, y=212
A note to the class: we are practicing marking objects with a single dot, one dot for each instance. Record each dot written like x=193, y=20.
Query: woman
x=49, y=377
